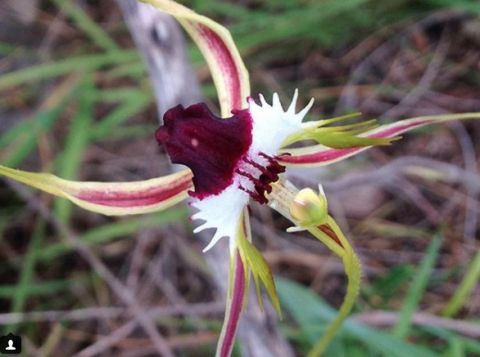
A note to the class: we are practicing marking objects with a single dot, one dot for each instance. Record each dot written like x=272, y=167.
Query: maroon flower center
x=210, y=146
x=216, y=149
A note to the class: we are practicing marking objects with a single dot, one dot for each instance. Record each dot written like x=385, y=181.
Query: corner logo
x=10, y=344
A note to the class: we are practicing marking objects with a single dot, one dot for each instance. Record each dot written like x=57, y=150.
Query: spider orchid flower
x=234, y=159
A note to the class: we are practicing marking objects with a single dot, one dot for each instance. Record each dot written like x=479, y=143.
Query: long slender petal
x=216, y=44
x=235, y=302
x=319, y=155
x=111, y=198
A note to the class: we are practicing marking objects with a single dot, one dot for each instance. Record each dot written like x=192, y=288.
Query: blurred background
x=77, y=100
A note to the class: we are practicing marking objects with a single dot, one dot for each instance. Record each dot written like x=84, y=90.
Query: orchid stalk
x=234, y=159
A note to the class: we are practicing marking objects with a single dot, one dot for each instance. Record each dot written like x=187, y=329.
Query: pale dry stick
x=315, y=262
x=125, y=330
x=178, y=342
x=31, y=349
x=155, y=271
x=53, y=33
x=127, y=296
x=323, y=93
x=159, y=279
x=162, y=45
x=95, y=313
x=347, y=98
x=465, y=68
x=384, y=176
x=456, y=197
x=11, y=318
x=53, y=339
x=405, y=165
x=411, y=193
x=394, y=256
x=99, y=347
x=468, y=153
x=85, y=297
x=455, y=104
x=387, y=319
x=120, y=290
x=156, y=277
x=396, y=185
x=20, y=10
x=470, y=161
x=152, y=280
x=137, y=258
x=424, y=84
x=367, y=45
x=452, y=201
x=422, y=108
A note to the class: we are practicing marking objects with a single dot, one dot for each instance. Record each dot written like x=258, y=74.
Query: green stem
x=353, y=270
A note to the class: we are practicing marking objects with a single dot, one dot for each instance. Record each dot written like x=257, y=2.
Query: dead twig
x=106, y=342
x=387, y=319
x=93, y=313
x=97, y=265
x=404, y=166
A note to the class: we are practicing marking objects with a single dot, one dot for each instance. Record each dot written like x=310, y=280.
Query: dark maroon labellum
x=210, y=146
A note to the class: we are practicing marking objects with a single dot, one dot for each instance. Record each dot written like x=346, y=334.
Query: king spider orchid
x=237, y=158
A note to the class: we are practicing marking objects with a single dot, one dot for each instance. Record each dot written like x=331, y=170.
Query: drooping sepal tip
x=257, y=265
x=111, y=198
x=235, y=303
x=320, y=155
x=339, y=136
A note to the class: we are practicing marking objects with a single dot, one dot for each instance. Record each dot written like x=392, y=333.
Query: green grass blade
x=54, y=69
x=136, y=71
x=313, y=315
x=85, y=23
x=3, y=223
x=462, y=5
x=27, y=271
x=416, y=290
x=135, y=104
x=133, y=131
x=44, y=288
x=456, y=348
x=75, y=145
x=112, y=231
x=469, y=345
x=465, y=288
x=115, y=95
x=27, y=141
x=54, y=100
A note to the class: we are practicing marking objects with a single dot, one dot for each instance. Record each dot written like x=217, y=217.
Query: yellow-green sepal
x=340, y=136
x=261, y=272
